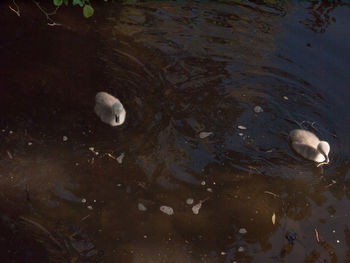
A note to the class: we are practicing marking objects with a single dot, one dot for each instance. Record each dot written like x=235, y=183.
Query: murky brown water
x=179, y=69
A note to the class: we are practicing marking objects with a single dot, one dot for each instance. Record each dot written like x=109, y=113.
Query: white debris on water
x=210, y=190
x=241, y=249
x=241, y=127
x=258, y=109
x=30, y=143
x=240, y=134
x=83, y=200
x=89, y=207
x=203, y=183
x=65, y=138
x=120, y=158
x=141, y=207
x=167, y=210
x=285, y=97
x=189, y=201
x=203, y=135
x=92, y=149
x=195, y=208
x=242, y=231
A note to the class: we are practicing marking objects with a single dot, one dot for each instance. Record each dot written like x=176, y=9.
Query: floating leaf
x=273, y=218
x=88, y=11
x=57, y=2
x=78, y=2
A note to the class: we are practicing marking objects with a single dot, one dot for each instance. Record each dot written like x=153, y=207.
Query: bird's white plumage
x=109, y=109
x=309, y=146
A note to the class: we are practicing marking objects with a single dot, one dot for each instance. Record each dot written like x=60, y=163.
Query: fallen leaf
x=167, y=210
x=273, y=218
x=141, y=207
x=120, y=158
x=195, y=208
x=189, y=201
x=258, y=109
x=203, y=135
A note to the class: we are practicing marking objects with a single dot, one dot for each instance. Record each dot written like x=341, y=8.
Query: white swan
x=309, y=146
x=109, y=109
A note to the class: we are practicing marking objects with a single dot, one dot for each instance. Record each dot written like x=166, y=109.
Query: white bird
x=109, y=109
x=309, y=146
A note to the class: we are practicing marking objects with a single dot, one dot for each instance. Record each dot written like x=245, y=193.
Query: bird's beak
x=327, y=159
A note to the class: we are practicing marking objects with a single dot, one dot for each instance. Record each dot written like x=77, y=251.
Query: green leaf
x=57, y=2
x=78, y=2
x=88, y=11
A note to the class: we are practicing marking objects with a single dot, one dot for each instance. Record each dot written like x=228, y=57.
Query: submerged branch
x=15, y=10
x=50, y=22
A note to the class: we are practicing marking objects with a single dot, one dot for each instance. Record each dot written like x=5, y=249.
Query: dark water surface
x=180, y=68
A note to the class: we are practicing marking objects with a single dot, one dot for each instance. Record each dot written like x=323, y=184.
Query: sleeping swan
x=309, y=146
x=109, y=109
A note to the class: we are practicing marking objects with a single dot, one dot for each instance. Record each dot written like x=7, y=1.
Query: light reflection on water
x=179, y=69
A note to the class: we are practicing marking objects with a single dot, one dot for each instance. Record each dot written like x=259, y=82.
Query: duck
x=109, y=109
x=309, y=146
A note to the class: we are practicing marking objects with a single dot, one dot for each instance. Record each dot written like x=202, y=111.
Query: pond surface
x=180, y=69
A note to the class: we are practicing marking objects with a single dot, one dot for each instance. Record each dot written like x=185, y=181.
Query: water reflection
x=180, y=69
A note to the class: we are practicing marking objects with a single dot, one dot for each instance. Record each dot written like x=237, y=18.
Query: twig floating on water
x=9, y=155
x=317, y=236
x=85, y=217
x=333, y=182
x=273, y=194
x=111, y=156
x=44, y=230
